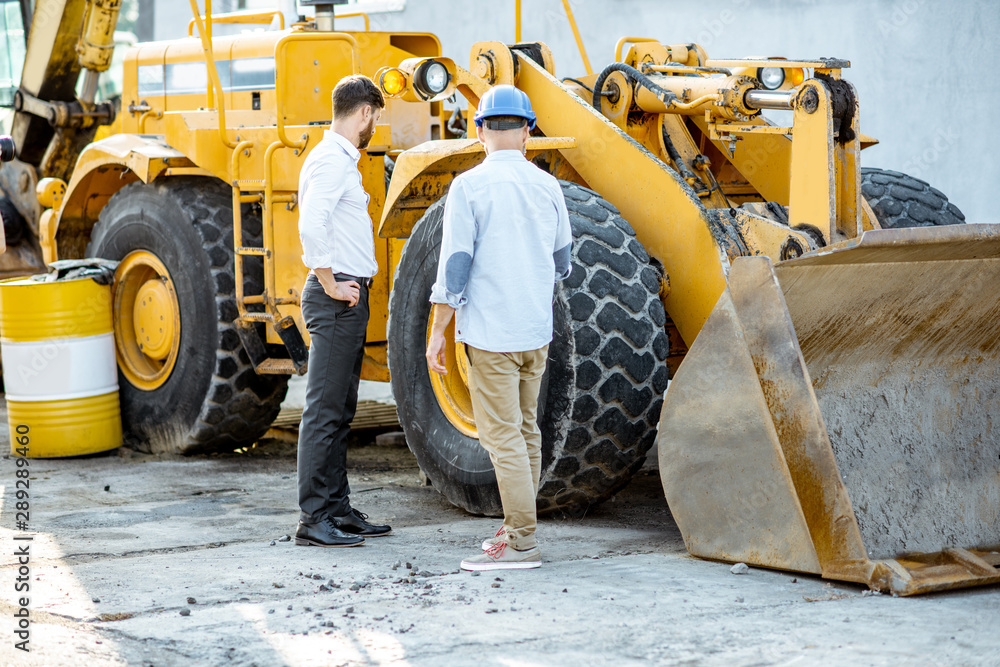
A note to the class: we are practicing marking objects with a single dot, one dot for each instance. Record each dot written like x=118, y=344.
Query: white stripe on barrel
x=58, y=370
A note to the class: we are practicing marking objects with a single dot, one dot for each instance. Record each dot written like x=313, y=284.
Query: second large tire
x=213, y=399
x=900, y=200
x=601, y=396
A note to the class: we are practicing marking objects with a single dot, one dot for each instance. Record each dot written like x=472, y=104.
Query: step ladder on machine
x=249, y=191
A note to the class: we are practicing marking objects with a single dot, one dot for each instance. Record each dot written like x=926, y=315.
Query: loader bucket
x=839, y=414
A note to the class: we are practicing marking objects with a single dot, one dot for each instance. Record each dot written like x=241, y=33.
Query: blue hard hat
x=505, y=100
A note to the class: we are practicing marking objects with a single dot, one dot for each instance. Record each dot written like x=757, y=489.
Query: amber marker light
x=796, y=76
x=392, y=81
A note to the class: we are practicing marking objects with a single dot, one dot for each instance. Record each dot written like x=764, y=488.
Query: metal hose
x=665, y=95
x=668, y=98
x=682, y=167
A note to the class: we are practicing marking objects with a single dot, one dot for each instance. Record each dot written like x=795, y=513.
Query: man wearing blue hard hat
x=506, y=240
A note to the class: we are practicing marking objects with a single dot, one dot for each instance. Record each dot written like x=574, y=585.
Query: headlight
x=392, y=81
x=771, y=77
x=432, y=78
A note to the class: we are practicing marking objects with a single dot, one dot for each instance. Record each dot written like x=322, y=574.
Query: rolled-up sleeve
x=458, y=239
x=321, y=189
x=563, y=246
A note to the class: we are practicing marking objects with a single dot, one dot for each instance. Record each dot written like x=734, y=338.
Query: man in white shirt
x=506, y=239
x=338, y=246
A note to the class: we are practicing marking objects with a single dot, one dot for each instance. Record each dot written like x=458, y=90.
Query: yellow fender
x=423, y=174
x=104, y=168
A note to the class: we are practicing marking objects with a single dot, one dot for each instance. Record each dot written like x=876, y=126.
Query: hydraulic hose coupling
x=505, y=100
x=662, y=94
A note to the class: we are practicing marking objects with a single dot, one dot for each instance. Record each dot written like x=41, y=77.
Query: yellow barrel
x=59, y=369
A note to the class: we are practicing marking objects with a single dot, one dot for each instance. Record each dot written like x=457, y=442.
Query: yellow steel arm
x=50, y=71
x=576, y=35
x=51, y=125
x=668, y=218
x=517, y=21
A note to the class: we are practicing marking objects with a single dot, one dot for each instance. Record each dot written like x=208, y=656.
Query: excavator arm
x=51, y=124
x=47, y=47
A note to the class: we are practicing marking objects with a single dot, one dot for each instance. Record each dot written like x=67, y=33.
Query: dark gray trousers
x=337, y=346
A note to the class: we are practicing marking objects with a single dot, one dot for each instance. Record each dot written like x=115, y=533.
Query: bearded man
x=339, y=248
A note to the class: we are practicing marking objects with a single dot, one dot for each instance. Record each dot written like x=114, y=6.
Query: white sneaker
x=502, y=557
x=489, y=542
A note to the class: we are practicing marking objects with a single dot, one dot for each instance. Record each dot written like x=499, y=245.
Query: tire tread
x=900, y=200
x=239, y=405
x=601, y=408
x=248, y=401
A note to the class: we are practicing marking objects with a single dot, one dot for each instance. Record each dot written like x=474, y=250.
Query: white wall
x=923, y=68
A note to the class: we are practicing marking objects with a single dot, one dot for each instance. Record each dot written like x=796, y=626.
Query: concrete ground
x=161, y=560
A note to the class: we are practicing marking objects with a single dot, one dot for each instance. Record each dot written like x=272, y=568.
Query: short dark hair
x=502, y=123
x=353, y=92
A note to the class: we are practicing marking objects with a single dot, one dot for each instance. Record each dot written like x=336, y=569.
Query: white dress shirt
x=506, y=240
x=334, y=225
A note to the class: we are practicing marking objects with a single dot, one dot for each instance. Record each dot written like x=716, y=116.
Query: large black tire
x=601, y=396
x=900, y=200
x=213, y=399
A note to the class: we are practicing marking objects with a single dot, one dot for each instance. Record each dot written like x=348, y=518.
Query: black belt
x=344, y=277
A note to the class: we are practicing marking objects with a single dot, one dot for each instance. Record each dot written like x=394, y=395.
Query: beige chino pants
x=504, y=388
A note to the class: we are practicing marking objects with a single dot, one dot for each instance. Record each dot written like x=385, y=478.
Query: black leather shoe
x=357, y=523
x=325, y=534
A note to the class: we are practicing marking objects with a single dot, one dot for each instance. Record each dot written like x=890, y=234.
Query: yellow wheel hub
x=452, y=390
x=154, y=326
x=147, y=320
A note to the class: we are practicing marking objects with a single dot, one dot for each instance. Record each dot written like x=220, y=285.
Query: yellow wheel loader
x=833, y=381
